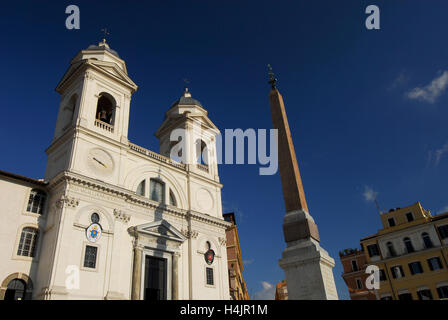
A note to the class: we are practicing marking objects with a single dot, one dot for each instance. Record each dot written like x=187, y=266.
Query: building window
x=36, y=202
x=408, y=245
x=90, y=257
x=409, y=216
x=427, y=240
x=141, y=188
x=405, y=296
x=397, y=272
x=443, y=292
x=173, y=201
x=209, y=276
x=443, y=230
x=358, y=284
x=157, y=191
x=373, y=250
x=28, y=240
x=435, y=264
x=391, y=222
x=382, y=275
x=391, y=249
x=355, y=266
x=415, y=267
x=424, y=294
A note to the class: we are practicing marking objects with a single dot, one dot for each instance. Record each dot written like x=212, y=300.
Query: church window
x=36, y=202
x=201, y=152
x=157, y=190
x=90, y=257
x=173, y=201
x=95, y=218
x=209, y=276
x=28, y=240
x=141, y=188
x=105, y=109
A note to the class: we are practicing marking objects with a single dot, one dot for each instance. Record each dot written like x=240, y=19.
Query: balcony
x=156, y=156
x=103, y=125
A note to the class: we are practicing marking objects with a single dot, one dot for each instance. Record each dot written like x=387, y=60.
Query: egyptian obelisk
x=308, y=267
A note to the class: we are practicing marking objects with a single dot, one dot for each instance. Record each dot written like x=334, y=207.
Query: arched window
x=16, y=290
x=157, y=190
x=391, y=249
x=28, y=241
x=427, y=240
x=95, y=217
x=105, y=110
x=173, y=201
x=141, y=188
x=201, y=152
x=36, y=202
x=408, y=245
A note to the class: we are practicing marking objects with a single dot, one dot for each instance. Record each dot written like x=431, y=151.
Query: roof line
x=23, y=178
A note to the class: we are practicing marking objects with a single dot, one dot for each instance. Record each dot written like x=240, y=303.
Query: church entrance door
x=155, y=287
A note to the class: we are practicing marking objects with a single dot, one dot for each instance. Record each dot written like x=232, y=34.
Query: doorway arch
x=17, y=286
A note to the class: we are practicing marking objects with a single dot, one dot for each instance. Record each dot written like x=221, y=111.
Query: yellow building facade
x=411, y=252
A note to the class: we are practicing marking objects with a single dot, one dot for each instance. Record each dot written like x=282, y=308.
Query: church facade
x=113, y=220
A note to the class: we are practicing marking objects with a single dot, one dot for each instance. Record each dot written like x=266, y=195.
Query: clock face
x=100, y=162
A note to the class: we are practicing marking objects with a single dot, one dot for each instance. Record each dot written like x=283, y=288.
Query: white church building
x=110, y=219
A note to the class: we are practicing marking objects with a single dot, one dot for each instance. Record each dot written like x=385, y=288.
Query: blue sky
x=367, y=109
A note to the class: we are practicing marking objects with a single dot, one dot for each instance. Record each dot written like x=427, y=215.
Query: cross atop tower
x=105, y=34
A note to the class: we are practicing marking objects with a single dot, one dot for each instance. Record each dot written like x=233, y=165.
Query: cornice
x=133, y=198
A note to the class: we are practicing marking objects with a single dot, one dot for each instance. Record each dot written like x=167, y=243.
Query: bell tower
x=95, y=100
x=187, y=135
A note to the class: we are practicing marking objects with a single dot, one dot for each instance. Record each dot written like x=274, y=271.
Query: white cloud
x=439, y=153
x=267, y=293
x=248, y=262
x=432, y=91
x=369, y=194
x=434, y=156
x=399, y=81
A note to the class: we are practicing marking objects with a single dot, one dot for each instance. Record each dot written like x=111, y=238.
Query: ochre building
x=237, y=285
x=411, y=251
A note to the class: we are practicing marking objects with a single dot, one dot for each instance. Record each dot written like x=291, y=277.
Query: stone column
x=137, y=273
x=175, y=277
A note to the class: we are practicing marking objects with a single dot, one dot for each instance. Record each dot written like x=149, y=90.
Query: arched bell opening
x=105, y=109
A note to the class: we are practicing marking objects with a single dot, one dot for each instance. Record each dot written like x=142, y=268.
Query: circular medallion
x=209, y=256
x=204, y=199
x=93, y=232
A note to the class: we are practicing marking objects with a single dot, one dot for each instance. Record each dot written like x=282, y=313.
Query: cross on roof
x=106, y=33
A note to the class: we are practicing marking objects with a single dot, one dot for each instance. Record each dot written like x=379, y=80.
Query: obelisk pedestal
x=308, y=267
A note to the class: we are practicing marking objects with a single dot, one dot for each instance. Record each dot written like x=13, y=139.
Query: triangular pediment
x=175, y=121
x=161, y=228
x=108, y=68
